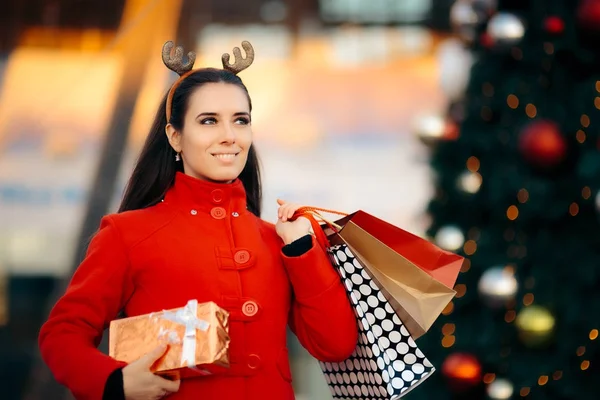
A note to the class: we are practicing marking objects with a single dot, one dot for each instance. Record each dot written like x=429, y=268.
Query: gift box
x=197, y=336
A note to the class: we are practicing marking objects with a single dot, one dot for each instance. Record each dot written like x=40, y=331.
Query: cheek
x=245, y=139
x=194, y=141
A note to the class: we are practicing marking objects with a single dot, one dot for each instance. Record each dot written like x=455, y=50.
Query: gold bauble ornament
x=536, y=326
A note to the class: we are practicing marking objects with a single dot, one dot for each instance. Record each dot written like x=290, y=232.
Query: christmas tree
x=517, y=194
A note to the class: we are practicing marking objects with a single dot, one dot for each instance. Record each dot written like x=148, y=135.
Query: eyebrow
x=214, y=114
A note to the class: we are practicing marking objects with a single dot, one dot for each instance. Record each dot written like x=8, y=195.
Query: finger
x=285, y=212
x=170, y=386
x=292, y=211
x=151, y=357
x=280, y=202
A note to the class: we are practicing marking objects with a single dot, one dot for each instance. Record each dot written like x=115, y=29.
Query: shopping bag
x=386, y=364
x=415, y=276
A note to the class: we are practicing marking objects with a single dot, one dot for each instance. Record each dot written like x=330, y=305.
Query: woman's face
x=217, y=133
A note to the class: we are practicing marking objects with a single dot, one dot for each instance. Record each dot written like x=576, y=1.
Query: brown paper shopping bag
x=416, y=277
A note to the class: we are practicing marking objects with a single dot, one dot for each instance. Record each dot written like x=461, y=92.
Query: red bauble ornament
x=554, y=25
x=486, y=40
x=542, y=144
x=588, y=14
x=462, y=371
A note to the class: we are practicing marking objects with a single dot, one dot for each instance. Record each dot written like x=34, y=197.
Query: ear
x=174, y=137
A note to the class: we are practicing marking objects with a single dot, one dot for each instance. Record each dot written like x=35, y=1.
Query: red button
x=218, y=213
x=241, y=257
x=217, y=195
x=253, y=361
x=250, y=308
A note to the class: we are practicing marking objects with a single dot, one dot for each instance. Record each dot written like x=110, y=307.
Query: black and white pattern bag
x=387, y=364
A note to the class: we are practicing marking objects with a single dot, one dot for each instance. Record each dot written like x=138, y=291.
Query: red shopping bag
x=416, y=276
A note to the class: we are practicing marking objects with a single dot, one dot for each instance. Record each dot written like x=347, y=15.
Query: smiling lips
x=226, y=157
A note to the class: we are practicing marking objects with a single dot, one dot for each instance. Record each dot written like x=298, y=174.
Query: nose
x=228, y=133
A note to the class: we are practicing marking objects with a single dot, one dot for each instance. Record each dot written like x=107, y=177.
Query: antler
x=240, y=63
x=175, y=63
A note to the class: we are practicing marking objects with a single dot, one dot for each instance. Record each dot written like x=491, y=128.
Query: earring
x=177, y=157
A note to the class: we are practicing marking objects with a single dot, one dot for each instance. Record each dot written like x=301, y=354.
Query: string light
x=523, y=196
x=460, y=289
x=448, y=329
x=598, y=86
x=466, y=265
x=580, y=136
x=586, y=192
x=557, y=375
x=574, y=209
x=549, y=48
x=449, y=308
x=512, y=213
x=597, y=102
x=512, y=101
x=528, y=299
x=510, y=316
x=585, y=365
x=470, y=247
x=448, y=341
x=473, y=164
x=489, y=378
x=585, y=121
x=531, y=110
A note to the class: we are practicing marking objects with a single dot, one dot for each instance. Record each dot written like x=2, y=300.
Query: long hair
x=155, y=169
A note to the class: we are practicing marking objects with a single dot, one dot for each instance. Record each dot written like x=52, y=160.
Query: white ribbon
x=188, y=317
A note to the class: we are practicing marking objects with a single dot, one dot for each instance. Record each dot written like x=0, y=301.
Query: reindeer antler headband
x=175, y=63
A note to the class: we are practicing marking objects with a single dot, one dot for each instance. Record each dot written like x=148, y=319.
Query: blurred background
x=354, y=103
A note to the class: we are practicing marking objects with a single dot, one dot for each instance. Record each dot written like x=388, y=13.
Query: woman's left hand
x=287, y=230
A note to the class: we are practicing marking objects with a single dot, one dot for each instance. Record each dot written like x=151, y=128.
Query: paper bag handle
x=312, y=213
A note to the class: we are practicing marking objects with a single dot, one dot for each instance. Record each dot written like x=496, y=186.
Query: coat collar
x=194, y=196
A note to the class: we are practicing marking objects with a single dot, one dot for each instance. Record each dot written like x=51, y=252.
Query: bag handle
x=314, y=213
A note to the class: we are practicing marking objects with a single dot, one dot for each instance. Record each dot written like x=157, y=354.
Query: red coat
x=200, y=243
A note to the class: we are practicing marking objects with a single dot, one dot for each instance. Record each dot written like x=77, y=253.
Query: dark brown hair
x=154, y=172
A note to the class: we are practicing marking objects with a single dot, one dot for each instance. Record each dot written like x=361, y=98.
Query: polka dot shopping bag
x=398, y=284
x=387, y=363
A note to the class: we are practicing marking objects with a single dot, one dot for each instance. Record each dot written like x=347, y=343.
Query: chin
x=224, y=177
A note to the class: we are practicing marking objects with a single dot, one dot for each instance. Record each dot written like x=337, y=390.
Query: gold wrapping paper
x=131, y=338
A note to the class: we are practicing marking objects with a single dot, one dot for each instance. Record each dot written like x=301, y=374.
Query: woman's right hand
x=139, y=383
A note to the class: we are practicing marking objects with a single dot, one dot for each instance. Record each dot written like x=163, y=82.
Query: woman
x=189, y=227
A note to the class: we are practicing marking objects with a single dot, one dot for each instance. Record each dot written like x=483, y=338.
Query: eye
x=242, y=121
x=208, y=121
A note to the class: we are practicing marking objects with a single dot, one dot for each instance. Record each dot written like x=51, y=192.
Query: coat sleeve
x=321, y=315
x=98, y=290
